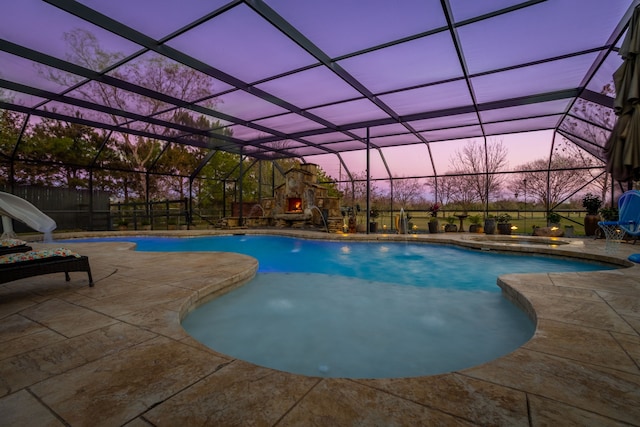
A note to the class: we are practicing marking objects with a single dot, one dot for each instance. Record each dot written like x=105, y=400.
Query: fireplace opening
x=295, y=204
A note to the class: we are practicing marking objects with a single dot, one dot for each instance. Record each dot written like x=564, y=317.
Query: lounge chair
x=628, y=215
x=29, y=264
x=11, y=246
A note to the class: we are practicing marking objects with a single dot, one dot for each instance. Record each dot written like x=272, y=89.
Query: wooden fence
x=70, y=209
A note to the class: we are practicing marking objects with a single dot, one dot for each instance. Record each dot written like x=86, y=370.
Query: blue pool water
x=425, y=265
x=360, y=309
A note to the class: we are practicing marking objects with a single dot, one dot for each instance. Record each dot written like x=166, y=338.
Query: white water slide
x=19, y=209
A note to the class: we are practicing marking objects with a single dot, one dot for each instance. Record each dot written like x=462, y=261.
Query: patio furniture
x=11, y=246
x=22, y=265
x=628, y=223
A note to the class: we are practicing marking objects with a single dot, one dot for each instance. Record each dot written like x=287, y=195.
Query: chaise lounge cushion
x=34, y=255
x=34, y=263
x=9, y=246
x=9, y=243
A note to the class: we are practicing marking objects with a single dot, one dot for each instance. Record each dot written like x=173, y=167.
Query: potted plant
x=351, y=222
x=504, y=223
x=123, y=224
x=553, y=219
x=450, y=226
x=609, y=214
x=373, y=225
x=490, y=225
x=475, y=226
x=434, y=225
x=592, y=204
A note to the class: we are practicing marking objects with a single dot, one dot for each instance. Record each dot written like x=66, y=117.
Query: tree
x=177, y=160
x=356, y=192
x=10, y=123
x=593, y=123
x=49, y=152
x=270, y=173
x=563, y=180
x=329, y=183
x=475, y=171
x=70, y=147
x=407, y=192
x=156, y=73
x=214, y=176
x=458, y=189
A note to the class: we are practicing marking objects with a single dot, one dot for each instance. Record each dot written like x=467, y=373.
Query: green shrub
x=591, y=203
x=503, y=218
x=553, y=217
x=609, y=214
x=475, y=219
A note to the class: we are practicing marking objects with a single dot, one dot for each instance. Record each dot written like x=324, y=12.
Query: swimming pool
x=360, y=309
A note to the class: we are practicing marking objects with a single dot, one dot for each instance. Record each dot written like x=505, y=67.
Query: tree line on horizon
x=543, y=183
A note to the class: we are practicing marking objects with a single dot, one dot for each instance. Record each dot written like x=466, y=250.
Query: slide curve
x=23, y=211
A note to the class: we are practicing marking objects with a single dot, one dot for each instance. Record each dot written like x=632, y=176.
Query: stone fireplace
x=294, y=205
x=301, y=203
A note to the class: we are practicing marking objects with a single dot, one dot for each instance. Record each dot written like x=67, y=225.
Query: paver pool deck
x=116, y=354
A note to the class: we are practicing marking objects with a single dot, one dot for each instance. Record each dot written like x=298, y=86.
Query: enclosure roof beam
x=103, y=144
x=48, y=60
x=210, y=155
x=116, y=27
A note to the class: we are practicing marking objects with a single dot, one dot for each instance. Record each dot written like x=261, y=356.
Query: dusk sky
x=288, y=70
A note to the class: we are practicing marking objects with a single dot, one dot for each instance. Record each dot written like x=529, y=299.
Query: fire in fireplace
x=295, y=204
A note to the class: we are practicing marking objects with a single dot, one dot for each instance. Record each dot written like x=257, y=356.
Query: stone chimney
x=312, y=169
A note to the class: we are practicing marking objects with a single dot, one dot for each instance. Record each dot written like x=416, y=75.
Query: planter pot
x=351, y=227
x=451, y=228
x=568, y=231
x=591, y=224
x=373, y=227
x=504, y=228
x=434, y=227
x=490, y=226
x=476, y=228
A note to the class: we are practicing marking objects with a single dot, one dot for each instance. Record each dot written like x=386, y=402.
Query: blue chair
x=628, y=217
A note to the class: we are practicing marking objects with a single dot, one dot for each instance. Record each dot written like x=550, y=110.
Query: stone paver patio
x=115, y=354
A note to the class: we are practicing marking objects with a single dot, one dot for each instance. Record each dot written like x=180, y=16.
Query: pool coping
x=581, y=364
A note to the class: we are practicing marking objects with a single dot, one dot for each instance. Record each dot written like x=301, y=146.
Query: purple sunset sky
x=421, y=74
